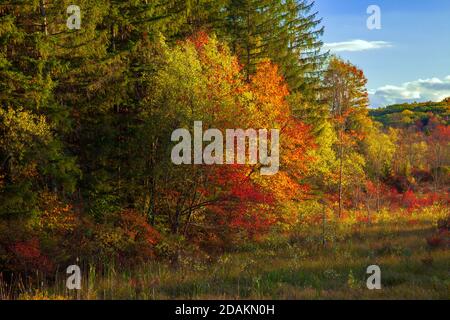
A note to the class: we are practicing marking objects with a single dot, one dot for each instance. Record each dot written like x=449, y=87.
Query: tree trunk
x=341, y=169
x=43, y=7
x=378, y=195
x=324, y=222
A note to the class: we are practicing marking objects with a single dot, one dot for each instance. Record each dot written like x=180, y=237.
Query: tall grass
x=294, y=266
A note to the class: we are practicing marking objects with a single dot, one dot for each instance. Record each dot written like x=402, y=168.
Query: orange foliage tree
x=237, y=199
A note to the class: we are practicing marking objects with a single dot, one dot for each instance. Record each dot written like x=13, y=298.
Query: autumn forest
x=86, y=175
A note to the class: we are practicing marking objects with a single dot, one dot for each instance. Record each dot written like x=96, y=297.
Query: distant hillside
x=408, y=114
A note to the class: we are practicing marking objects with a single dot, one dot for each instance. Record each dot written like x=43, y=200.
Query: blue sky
x=407, y=60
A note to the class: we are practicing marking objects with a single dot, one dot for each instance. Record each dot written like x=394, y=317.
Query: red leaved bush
x=27, y=256
x=136, y=227
x=29, y=249
x=412, y=201
x=243, y=205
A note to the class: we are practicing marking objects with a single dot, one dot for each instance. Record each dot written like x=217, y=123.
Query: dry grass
x=292, y=267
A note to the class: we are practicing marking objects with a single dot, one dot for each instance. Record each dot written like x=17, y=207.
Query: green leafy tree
x=348, y=98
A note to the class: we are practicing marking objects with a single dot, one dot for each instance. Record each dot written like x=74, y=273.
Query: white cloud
x=356, y=45
x=433, y=89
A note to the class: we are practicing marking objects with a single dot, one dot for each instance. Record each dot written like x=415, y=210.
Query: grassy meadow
x=299, y=265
